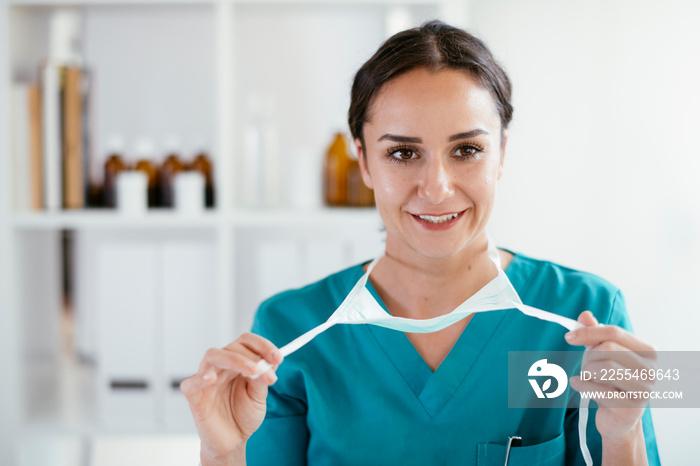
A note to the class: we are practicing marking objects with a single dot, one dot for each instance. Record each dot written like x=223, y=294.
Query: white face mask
x=360, y=307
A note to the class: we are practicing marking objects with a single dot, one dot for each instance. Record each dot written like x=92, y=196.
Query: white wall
x=154, y=77
x=294, y=69
x=602, y=165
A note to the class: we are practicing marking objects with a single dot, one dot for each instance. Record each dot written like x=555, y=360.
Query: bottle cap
x=199, y=147
x=115, y=144
x=172, y=145
x=145, y=149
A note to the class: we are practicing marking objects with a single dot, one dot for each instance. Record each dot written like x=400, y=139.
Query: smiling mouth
x=437, y=219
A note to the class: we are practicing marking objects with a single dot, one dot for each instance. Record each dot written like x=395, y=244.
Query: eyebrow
x=395, y=138
x=468, y=134
x=415, y=140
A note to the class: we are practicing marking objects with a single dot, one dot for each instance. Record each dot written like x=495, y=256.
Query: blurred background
x=165, y=166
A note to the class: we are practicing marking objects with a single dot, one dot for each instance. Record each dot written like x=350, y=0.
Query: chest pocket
x=549, y=453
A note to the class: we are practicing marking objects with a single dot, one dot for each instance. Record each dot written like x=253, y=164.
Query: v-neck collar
x=434, y=389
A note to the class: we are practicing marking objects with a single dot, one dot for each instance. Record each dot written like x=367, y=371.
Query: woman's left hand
x=620, y=358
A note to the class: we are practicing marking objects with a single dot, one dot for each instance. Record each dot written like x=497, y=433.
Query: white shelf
x=110, y=219
x=336, y=217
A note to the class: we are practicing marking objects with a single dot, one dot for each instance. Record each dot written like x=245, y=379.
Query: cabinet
x=153, y=291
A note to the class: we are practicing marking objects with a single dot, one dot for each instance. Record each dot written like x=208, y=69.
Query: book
x=36, y=166
x=51, y=137
x=21, y=152
x=73, y=150
x=86, y=85
x=26, y=146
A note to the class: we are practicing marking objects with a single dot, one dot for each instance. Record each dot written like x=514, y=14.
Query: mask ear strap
x=372, y=264
x=582, y=424
x=493, y=253
x=563, y=321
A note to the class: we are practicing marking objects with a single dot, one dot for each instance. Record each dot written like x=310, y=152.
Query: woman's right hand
x=227, y=405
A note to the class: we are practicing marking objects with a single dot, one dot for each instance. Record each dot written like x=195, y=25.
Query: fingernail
x=570, y=336
x=276, y=354
x=208, y=376
x=274, y=377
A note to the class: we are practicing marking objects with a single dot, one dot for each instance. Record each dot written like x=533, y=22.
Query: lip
x=437, y=226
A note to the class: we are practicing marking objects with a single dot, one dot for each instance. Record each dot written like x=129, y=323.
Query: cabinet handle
x=175, y=383
x=128, y=384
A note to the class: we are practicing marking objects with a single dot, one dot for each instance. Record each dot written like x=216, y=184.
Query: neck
x=416, y=286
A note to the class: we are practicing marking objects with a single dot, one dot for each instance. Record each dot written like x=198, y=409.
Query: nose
x=435, y=184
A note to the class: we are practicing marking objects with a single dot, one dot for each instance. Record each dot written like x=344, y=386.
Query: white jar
x=132, y=192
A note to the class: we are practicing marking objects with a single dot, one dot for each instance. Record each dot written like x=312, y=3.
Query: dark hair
x=435, y=46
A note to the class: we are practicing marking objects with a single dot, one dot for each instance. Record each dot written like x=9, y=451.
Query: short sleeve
x=616, y=314
x=283, y=436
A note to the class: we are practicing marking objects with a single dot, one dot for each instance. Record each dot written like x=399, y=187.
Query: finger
x=258, y=386
x=270, y=377
x=193, y=387
x=257, y=389
x=587, y=319
x=245, y=351
x=261, y=346
x=261, y=368
x=228, y=360
x=593, y=336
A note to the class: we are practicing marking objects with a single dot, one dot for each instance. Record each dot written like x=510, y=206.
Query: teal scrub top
x=363, y=395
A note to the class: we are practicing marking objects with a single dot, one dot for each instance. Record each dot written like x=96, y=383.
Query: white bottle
x=132, y=192
x=189, y=192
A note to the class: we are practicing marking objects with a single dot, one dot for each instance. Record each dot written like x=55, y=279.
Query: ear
x=503, y=154
x=362, y=160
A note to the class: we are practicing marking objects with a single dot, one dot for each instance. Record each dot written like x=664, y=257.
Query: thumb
x=257, y=389
x=587, y=319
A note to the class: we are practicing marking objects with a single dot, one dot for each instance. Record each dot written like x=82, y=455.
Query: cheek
x=390, y=187
x=386, y=194
x=492, y=172
x=482, y=186
x=489, y=180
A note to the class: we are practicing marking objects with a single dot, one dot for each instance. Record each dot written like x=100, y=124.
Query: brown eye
x=403, y=154
x=467, y=151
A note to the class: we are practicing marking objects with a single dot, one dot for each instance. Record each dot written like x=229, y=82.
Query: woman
x=429, y=115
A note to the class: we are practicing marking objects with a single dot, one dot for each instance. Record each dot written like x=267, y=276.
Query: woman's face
x=433, y=155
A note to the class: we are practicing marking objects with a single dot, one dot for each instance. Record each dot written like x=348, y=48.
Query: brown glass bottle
x=202, y=164
x=335, y=172
x=359, y=195
x=145, y=152
x=149, y=168
x=172, y=165
x=113, y=166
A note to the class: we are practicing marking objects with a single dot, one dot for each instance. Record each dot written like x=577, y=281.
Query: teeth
x=439, y=219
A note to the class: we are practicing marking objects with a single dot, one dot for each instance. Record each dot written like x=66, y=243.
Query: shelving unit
x=106, y=219
x=241, y=242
